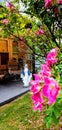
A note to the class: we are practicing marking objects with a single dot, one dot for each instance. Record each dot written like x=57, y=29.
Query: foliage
x=50, y=16
x=39, y=18
x=13, y=24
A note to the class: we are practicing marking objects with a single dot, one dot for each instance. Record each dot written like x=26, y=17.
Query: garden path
x=11, y=91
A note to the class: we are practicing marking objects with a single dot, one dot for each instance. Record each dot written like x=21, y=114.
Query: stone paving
x=11, y=91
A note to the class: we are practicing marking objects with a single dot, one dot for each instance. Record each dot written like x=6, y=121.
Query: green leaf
x=50, y=110
x=48, y=120
x=55, y=120
x=57, y=113
x=60, y=94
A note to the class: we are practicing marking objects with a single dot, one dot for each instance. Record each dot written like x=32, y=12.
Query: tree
x=51, y=16
x=42, y=17
x=14, y=24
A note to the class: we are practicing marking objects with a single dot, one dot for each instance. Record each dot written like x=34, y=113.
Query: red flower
x=60, y=2
x=9, y=5
x=48, y=3
x=40, y=32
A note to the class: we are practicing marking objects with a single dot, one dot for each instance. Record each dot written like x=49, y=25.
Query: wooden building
x=13, y=56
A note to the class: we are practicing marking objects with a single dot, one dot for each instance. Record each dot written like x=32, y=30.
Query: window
x=3, y=58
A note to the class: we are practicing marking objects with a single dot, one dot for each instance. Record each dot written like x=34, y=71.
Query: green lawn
x=18, y=115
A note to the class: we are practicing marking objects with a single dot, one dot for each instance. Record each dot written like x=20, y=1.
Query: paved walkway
x=11, y=91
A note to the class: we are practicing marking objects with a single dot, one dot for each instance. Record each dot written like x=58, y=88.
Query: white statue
x=26, y=76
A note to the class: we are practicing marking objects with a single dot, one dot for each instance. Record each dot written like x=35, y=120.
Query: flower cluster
x=5, y=21
x=49, y=3
x=44, y=84
x=9, y=5
x=39, y=32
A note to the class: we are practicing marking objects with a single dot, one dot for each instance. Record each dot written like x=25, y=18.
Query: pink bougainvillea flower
x=37, y=76
x=51, y=57
x=5, y=21
x=60, y=2
x=50, y=89
x=40, y=32
x=9, y=5
x=48, y=3
x=35, y=88
x=45, y=70
x=38, y=106
x=37, y=101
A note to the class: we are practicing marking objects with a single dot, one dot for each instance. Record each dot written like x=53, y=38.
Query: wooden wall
x=15, y=51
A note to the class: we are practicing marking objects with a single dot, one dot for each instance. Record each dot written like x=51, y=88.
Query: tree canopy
x=40, y=28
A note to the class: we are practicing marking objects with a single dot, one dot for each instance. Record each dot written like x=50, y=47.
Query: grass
x=18, y=115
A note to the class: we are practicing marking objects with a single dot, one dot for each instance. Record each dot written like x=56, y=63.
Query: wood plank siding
x=13, y=55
